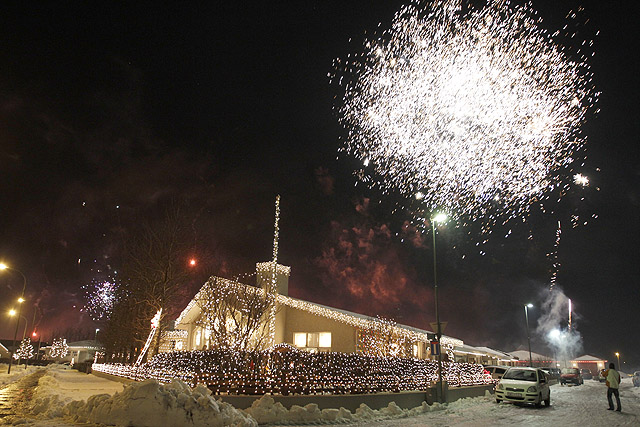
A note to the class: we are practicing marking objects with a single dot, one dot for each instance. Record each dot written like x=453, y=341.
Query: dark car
x=571, y=376
x=586, y=374
x=554, y=373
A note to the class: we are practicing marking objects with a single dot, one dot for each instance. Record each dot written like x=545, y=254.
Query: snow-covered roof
x=524, y=355
x=588, y=358
x=4, y=351
x=86, y=344
x=501, y=354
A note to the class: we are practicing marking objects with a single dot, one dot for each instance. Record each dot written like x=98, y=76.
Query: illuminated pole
x=96, y=338
x=526, y=318
x=618, y=356
x=434, y=220
x=20, y=300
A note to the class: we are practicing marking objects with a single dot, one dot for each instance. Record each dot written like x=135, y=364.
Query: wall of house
x=343, y=336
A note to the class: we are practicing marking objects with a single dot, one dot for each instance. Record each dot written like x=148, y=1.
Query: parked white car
x=524, y=385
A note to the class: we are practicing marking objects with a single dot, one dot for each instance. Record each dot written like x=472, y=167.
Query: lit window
x=324, y=339
x=312, y=340
x=300, y=339
x=198, y=336
x=415, y=350
x=179, y=345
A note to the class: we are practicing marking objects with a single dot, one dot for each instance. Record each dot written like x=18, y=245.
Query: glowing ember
x=469, y=112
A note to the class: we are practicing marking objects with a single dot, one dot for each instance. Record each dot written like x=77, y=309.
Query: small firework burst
x=101, y=295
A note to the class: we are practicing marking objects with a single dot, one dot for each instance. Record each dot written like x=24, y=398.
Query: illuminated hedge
x=292, y=371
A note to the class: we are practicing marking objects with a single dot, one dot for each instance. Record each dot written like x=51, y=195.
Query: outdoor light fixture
x=4, y=266
x=439, y=217
x=526, y=316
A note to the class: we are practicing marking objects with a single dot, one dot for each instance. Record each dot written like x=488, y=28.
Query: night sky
x=107, y=112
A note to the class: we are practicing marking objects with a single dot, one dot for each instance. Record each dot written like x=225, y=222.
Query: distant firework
x=101, y=297
x=474, y=112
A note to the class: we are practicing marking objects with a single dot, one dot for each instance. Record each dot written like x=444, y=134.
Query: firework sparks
x=467, y=112
x=580, y=179
x=101, y=297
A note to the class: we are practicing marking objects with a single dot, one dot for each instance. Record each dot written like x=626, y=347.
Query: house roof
x=501, y=354
x=348, y=317
x=588, y=358
x=524, y=355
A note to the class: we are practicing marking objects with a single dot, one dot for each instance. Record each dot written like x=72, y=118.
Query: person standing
x=613, y=384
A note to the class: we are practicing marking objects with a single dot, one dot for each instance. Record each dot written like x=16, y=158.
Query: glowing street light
x=526, y=317
x=4, y=266
x=618, y=356
x=440, y=217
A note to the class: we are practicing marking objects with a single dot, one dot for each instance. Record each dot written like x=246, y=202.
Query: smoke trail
x=566, y=342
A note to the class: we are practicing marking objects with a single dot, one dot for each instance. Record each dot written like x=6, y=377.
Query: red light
x=34, y=333
x=192, y=262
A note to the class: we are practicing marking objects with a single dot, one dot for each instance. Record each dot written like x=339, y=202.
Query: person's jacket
x=613, y=378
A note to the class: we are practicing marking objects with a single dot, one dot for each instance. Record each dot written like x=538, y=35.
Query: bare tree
x=383, y=339
x=154, y=268
x=235, y=314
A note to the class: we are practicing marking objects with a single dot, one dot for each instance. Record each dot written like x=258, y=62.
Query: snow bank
x=17, y=372
x=267, y=411
x=149, y=403
x=146, y=403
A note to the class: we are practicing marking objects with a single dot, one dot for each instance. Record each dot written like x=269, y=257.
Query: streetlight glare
x=20, y=300
x=3, y=266
x=530, y=305
x=12, y=312
x=441, y=217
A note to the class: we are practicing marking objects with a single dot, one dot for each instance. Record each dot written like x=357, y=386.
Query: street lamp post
x=20, y=300
x=526, y=317
x=96, y=337
x=618, y=356
x=438, y=218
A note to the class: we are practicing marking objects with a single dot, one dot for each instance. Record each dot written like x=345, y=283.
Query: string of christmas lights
x=59, y=348
x=25, y=351
x=288, y=371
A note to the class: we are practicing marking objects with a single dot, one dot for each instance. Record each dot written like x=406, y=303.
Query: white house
x=79, y=351
x=312, y=327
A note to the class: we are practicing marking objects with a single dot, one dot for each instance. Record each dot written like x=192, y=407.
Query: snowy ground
x=17, y=372
x=63, y=397
x=584, y=405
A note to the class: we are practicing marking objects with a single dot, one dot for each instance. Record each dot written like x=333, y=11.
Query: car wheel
x=539, y=401
x=547, y=401
x=498, y=400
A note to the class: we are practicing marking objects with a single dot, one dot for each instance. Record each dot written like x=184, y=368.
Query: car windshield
x=570, y=370
x=521, y=374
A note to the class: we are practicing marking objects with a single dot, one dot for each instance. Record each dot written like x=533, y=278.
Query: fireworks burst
x=474, y=112
x=101, y=297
